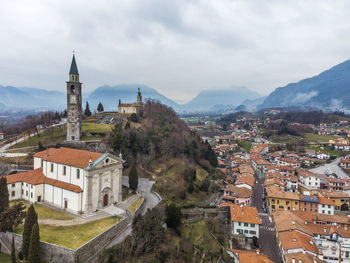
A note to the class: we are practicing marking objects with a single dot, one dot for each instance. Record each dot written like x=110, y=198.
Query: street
x=331, y=168
x=267, y=237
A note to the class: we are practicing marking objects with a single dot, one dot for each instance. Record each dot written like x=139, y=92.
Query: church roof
x=68, y=156
x=35, y=177
x=73, y=67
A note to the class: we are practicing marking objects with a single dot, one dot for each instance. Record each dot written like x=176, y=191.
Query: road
x=151, y=199
x=330, y=168
x=5, y=147
x=267, y=236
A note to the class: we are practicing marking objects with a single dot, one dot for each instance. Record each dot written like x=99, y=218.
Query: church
x=130, y=108
x=77, y=181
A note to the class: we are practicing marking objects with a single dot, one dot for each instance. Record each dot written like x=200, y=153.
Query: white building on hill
x=74, y=180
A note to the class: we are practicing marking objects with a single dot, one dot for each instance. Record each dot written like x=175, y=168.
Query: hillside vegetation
x=164, y=146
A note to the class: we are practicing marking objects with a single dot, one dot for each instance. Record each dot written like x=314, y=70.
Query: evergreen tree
x=133, y=178
x=13, y=251
x=34, y=246
x=117, y=137
x=100, y=107
x=4, y=194
x=173, y=216
x=87, y=112
x=30, y=221
x=134, y=118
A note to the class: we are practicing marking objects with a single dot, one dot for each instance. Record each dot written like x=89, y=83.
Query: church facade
x=78, y=181
x=130, y=108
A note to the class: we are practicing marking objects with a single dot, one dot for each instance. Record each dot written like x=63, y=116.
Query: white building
x=323, y=156
x=325, y=206
x=310, y=180
x=75, y=180
x=245, y=220
x=2, y=135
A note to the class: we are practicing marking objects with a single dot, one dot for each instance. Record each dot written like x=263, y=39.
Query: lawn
x=73, y=236
x=325, y=149
x=4, y=258
x=45, y=212
x=51, y=137
x=91, y=127
x=312, y=137
x=246, y=145
x=135, y=205
x=200, y=236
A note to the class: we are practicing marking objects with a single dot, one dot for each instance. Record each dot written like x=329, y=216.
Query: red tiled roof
x=36, y=177
x=68, y=156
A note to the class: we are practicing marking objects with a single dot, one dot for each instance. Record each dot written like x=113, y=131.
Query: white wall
x=326, y=209
x=248, y=229
x=37, y=162
x=17, y=189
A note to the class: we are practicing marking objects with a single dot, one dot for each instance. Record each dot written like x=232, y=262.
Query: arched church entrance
x=105, y=200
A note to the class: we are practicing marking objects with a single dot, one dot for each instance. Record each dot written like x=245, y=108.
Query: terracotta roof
x=334, y=194
x=246, y=214
x=325, y=201
x=239, y=192
x=286, y=220
x=68, y=156
x=294, y=239
x=35, y=177
x=304, y=258
x=60, y=184
x=251, y=256
x=245, y=179
x=276, y=192
x=44, y=153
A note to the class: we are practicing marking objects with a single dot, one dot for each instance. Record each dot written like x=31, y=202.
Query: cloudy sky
x=177, y=47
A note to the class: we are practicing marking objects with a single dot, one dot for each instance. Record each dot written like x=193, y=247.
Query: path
x=7, y=146
x=330, y=168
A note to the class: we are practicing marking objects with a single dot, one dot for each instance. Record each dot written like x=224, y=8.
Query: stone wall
x=95, y=245
x=49, y=252
x=56, y=254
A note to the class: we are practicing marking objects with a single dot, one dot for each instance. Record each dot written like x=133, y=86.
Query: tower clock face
x=73, y=99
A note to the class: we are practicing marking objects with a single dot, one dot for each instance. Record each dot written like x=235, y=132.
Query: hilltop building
x=78, y=181
x=74, y=101
x=129, y=108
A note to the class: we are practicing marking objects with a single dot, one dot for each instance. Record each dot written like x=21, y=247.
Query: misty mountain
x=227, y=97
x=329, y=90
x=31, y=98
x=109, y=96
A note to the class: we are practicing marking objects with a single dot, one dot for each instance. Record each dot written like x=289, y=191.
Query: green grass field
x=4, y=258
x=90, y=127
x=325, y=149
x=45, y=212
x=73, y=236
x=311, y=137
x=57, y=135
x=246, y=146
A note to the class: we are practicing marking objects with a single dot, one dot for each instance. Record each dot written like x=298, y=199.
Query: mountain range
x=330, y=90
x=109, y=96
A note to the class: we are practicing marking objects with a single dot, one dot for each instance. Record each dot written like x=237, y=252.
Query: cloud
x=178, y=47
x=301, y=98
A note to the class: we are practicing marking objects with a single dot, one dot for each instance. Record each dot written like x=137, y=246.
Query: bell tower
x=74, y=101
x=139, y=96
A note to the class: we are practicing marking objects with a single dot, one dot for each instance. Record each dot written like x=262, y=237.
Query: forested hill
x=160, y=135
x=161, y=144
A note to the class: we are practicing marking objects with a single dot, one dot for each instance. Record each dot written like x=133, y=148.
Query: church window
x=31, y=195
x=13, y=193
x=51, y=168
x=64, y=170
x=107, y=160
x=72, y=89
x=42, y=162
x=78, y=173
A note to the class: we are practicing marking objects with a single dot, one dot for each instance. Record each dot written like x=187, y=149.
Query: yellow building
x=278, y=199
x=339, y=197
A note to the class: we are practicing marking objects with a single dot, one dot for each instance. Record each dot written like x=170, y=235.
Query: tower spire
x=73, y=67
